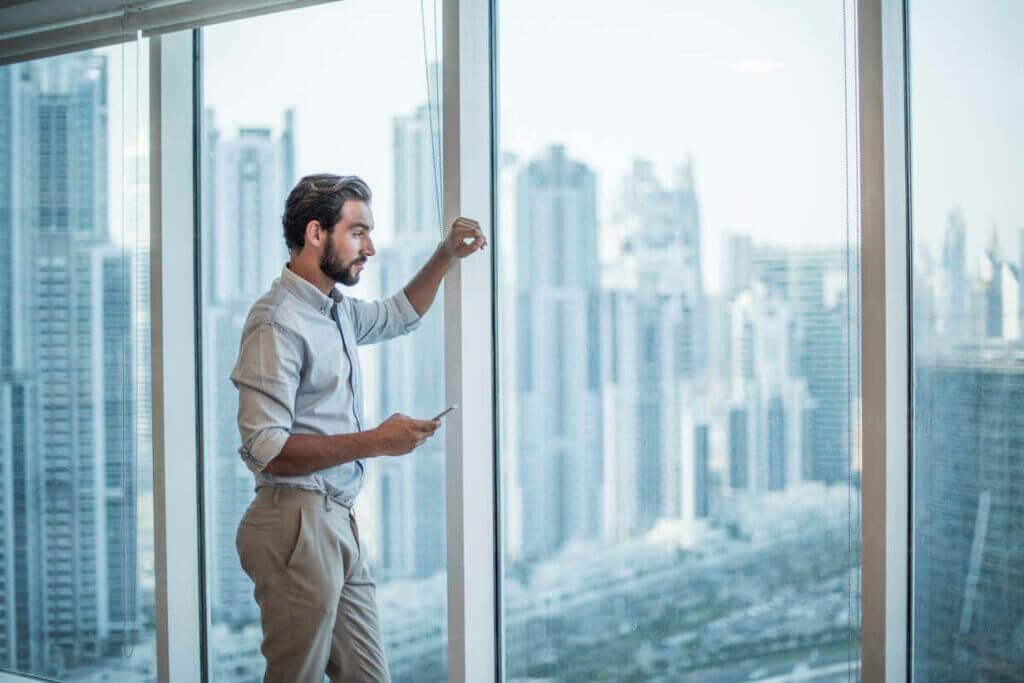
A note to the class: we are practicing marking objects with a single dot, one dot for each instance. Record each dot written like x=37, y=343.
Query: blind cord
x=851, y=243
x=433, y=110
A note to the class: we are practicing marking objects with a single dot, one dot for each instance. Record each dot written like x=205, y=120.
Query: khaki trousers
x=315, y=593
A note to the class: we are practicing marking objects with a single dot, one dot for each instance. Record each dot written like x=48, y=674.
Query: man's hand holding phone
x=401, y=434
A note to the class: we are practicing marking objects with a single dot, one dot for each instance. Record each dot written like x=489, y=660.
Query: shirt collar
x=308, y=292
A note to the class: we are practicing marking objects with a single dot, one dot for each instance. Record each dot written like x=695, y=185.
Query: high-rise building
x=558, y=352
x=247, y=184
x=20, y=469
x=654, y=319
x=953, y=286
x=246, y=178
x=66, y=390
x=659, y=229
x=997, y=305
x=768, y=402
x=816, y=285
x=968, y=507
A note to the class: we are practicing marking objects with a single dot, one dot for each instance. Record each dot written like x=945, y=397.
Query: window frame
x=469, y=153
x=886, y=297
x=177, y=464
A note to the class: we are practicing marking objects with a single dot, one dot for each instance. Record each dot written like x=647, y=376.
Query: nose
x=368, y=249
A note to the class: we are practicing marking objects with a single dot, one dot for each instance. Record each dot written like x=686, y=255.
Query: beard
x=333, y=267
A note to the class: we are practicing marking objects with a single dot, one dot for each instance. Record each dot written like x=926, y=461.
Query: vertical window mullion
x=469, y=346
x=885, y=334
x=175, y=489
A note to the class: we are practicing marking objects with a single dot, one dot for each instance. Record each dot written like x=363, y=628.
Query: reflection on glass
x=679, y=353
x=966, y=138
x=76, y=535
x=270, y=119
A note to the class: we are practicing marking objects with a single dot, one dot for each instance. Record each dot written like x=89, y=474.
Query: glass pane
x=330, y=100
x=76, y=522
x=967, y=146
x=679, y=350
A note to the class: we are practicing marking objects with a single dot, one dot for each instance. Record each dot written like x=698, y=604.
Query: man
x=300, y=414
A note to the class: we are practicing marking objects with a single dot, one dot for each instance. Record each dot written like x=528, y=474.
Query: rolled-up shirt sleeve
x=376, y=321
x=267, y=377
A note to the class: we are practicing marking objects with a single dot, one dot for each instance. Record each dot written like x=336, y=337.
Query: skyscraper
x=768, y=403
x=953, y=286
x=248, y=182
x=656, y=317
x=20, y=468
x=558, y=387
x=66, y=390
x=815, y=285
x=968, y=507
x=998, y=291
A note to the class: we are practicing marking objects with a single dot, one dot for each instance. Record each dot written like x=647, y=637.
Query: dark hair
x=319, y=197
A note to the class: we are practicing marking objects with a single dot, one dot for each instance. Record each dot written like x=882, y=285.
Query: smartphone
x=445, y=412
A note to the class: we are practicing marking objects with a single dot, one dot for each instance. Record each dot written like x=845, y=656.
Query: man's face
x=349, y=246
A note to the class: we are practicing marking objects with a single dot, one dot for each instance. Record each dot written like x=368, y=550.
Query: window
x=679, y=354
x=966, y=171
x=349, y=97
x=76, y=524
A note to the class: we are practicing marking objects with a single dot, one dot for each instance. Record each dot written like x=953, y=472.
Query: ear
x=314, y=234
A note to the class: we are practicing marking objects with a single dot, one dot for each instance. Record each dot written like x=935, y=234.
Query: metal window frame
x=33, y=29
x=885, y=333
x=176, y=491
x=472, y=526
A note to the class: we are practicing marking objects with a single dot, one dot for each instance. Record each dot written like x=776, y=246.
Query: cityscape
x=680, y=488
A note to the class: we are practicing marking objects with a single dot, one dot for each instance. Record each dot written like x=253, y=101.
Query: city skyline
x=763, y=262
x=767, y=263
x=699, y=441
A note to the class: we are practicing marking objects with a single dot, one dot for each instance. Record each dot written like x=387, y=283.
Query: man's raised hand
x=464, y=238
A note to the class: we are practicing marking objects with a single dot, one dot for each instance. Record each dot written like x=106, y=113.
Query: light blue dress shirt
x=298, y=373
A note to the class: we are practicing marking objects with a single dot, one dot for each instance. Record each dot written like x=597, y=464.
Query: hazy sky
x=967, y=101
x=752, y=89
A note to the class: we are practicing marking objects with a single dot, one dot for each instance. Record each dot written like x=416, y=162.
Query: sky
x=751, y=90
x=967, y=99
